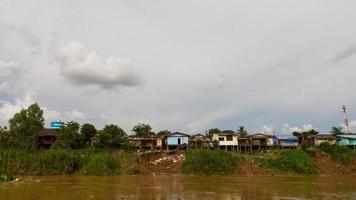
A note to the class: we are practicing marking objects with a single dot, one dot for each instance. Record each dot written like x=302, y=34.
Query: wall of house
x=225, y=142
x=317, y=142
x=269, y=141
x=288, y=143
x=346, y=141
x=173, y=140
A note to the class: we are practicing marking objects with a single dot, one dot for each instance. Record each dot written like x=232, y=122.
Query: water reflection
x=179, y=187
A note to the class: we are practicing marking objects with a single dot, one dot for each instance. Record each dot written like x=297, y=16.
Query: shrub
x=306, y=146
x=338, y=153
x=207, y=162
x=5, y=176
x=295, y=161
x=101, y=164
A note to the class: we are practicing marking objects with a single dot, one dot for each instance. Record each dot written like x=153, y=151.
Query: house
x=147, y=142
x=176, y=140
x=227, y=141
x=46, y=137
x=255, y=141
x=284, y=140
x=199, y=140
x=144, y=142
x=316, y=140
x=346, y=140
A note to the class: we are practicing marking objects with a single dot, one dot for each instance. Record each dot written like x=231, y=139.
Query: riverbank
x=200, y=162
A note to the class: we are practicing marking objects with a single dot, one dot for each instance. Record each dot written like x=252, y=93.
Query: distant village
x=216, y=139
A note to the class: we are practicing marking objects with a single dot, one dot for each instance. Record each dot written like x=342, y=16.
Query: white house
x=227, y=141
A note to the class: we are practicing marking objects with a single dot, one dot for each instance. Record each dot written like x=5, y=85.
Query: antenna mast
x=346, y=121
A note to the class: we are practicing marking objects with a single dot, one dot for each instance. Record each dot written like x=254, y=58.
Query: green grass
x=208, y=162
x=292, y=161
x=59, y=162
x=338, y=153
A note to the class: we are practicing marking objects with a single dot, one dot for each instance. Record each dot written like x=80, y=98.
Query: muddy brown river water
x=179, y=187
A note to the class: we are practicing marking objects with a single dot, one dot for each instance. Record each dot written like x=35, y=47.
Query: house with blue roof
x=285, y=140
x=346, y=140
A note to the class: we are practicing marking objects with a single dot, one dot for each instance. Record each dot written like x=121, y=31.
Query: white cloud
x=82, y=66
x=75, y=114
x=8, y=68
x=8, y=109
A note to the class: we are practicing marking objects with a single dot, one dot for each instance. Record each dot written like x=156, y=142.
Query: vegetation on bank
x=61, y=161
x=342, y=154
x=291, y=161
x=208, y=162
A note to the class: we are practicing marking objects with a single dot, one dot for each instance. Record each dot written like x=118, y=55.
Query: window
x=229, y=138
x=221, y=138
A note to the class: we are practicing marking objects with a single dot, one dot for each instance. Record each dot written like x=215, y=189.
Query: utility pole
x=346, y=121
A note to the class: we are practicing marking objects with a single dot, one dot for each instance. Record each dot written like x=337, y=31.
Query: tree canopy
x=68, y=135
x=336, y=131
x=242, y=131
x=87, y=132
x=25, y=125
x=142, y=129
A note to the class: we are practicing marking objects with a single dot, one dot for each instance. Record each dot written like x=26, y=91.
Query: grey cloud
x=347, y=53
x=82, y=66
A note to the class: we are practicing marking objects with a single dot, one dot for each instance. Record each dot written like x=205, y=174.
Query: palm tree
x=241, y=131
x=336, y=131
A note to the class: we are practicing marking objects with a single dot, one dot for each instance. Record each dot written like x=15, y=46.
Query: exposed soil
x=249, y=167
x=163, y=162
x=159, y=162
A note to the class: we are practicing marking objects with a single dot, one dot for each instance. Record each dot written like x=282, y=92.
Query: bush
x=207, y=162
x=306, y=146
x=101, y=164
x=295, y=161
x=5, y=176
x=58, y=162
x=338, y=153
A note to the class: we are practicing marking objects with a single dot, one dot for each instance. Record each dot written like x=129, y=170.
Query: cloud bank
x=82, y=66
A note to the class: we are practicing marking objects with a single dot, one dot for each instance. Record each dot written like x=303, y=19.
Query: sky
x=280, y=65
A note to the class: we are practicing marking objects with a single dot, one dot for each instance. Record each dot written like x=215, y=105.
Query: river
x=179, y=187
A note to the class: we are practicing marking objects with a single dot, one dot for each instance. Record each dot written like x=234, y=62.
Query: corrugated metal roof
x=285, y=136
x=347, y=136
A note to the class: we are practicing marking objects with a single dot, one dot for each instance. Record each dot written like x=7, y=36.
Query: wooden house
x=199, y=141
x=255, y=141
x=316, y=140
x=46, y=137
x=176, y=140
x=284, y=140
x=346, y=140
x=227, y=141
x=146, y=142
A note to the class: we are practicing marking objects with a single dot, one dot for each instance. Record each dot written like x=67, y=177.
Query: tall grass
x=207, y=162
x=338, y=153
x=58, y=162
x=294, y=161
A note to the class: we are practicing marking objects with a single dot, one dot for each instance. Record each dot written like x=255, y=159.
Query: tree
x=241, y=131
x=141, y=129
x=164, y=132
x=215, y=144
x=211, y=131
x=304, y=134
x=228, y=131
x=111, y=136
x=68, y=136
x=4, y=137
x=87, y=132
x=25, y=125
x=336, y=131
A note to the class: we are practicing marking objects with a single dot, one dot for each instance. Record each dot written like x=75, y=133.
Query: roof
x=324, y=136
x=199, y=137
x=349, y=136
x=178, y=133
x=259, y=136
x=47, y=132
x=223, y=134
x=285, y=136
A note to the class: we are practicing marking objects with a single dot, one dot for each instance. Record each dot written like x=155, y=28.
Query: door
x=178, y=141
